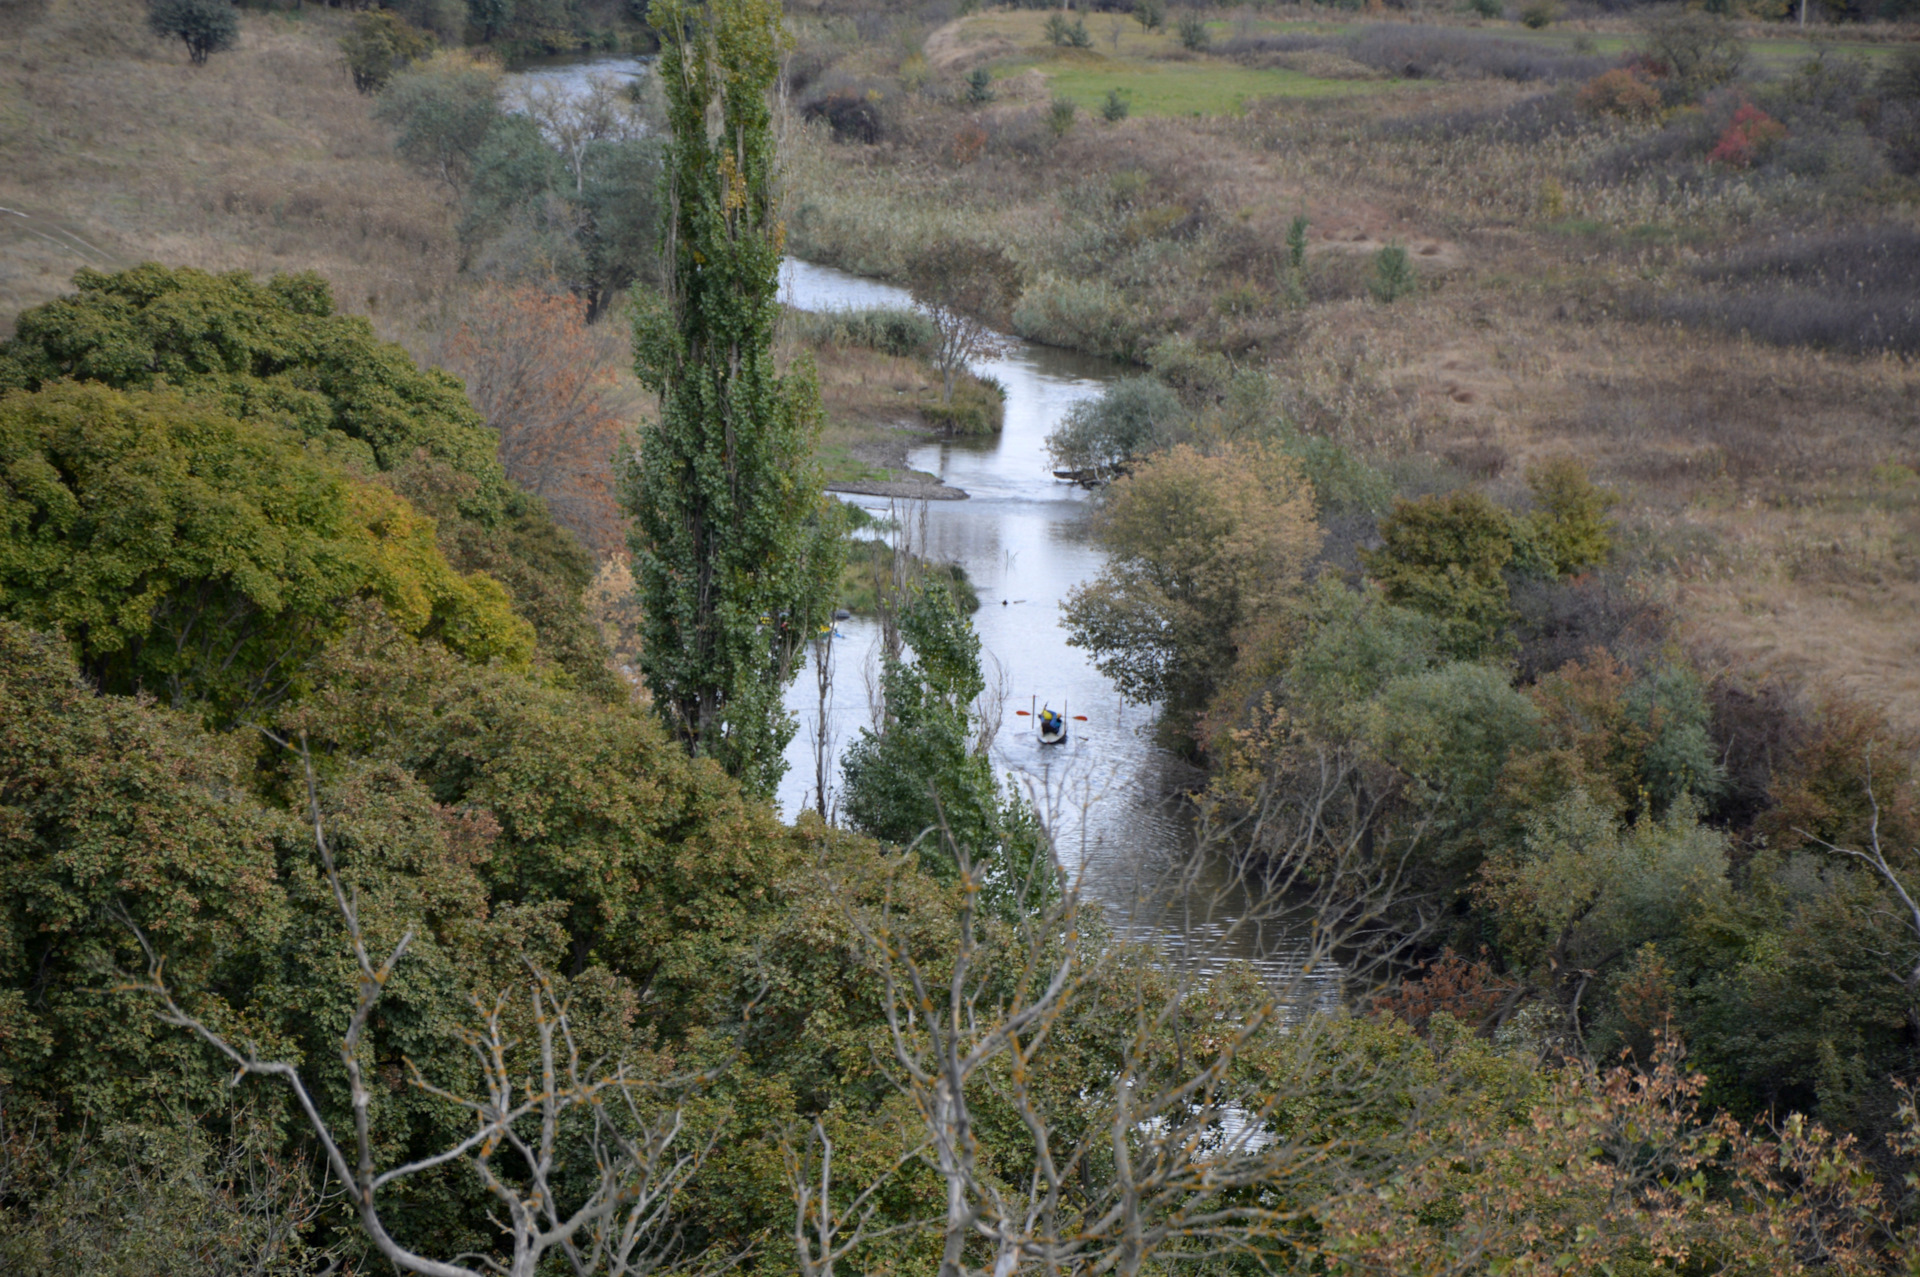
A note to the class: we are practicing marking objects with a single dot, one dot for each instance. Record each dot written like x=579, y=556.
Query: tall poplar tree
x=736, y=547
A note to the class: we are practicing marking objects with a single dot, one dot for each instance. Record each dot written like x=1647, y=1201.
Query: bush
x=1447, y=557
x=1751, y=132
x=1060, y=116
x=1117, y=105
x=1486, y=8
x=1151, y=14
x=1538, y=14
x=977, y=409
x=1623, y=91
x=980, y=86
x=1088, y=315
x=204, y=26
x=1193, y=32
x=1393, y=276
x=1691, y=53
x=853, y=116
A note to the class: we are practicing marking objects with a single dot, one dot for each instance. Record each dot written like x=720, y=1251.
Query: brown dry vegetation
x=1770, y=490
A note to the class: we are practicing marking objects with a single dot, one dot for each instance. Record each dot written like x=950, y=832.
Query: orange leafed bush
x=1623, y=91
x=544, y=381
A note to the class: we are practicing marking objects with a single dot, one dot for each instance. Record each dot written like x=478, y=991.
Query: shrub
x=380, y=44
x=1117, y=105
x=1751, y=133
x=204, y=26
x=977, y=409
x=1447, y=557
x=1193, y=32
x=1060, y=116
x=1856, y=290
x=1393, y=276
x=1486, y=8
x=1692, y=52
x=1424, y=53
x=853, y=116
x=1623, y=91
x=1099, y=437
x=1538, y=14
x=1151, y=14
x=980, y=86
x=1571, y=526
x=1088, y=315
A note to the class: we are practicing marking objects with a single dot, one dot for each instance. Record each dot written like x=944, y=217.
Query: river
x=1112, y=798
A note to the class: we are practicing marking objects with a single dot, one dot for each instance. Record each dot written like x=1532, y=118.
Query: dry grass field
x=113, y=150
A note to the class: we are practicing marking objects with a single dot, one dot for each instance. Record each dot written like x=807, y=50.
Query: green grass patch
x=1205, y=86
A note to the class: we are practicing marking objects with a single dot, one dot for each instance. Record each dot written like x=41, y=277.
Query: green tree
x=1571, y=525
x=440, y=112
x=380, y=44
x=1447, y=556
x=924, y=778
x=207, y=559
x=736, y=550
x=1201, y=545
x=204, y=26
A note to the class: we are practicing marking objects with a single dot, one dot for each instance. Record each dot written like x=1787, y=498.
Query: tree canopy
x=209, y=559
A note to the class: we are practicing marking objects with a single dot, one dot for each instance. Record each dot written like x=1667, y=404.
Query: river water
x=1112, y=798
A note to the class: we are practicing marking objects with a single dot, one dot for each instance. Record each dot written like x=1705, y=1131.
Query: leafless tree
x=626, y=1126
x=606, y=111
x=1182, y=1146
x=960, y=286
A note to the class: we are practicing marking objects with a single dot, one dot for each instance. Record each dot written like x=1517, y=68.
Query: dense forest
x=413, y=514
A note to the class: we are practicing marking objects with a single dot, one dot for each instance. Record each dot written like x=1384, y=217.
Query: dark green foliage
x=1447, y=557
x=1486, y=8
x=380, y=44
x=1297, y=243
x=106, y=800
x=1061, y=113
x=204, y=26
x=1116, y=106
x=1150, y=14
x=980, y=86
x=736, y=551
x=1071, y=35
x=276, y=353
x=1697, y=51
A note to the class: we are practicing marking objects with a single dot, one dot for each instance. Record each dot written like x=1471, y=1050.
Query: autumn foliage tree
x=540, y=378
